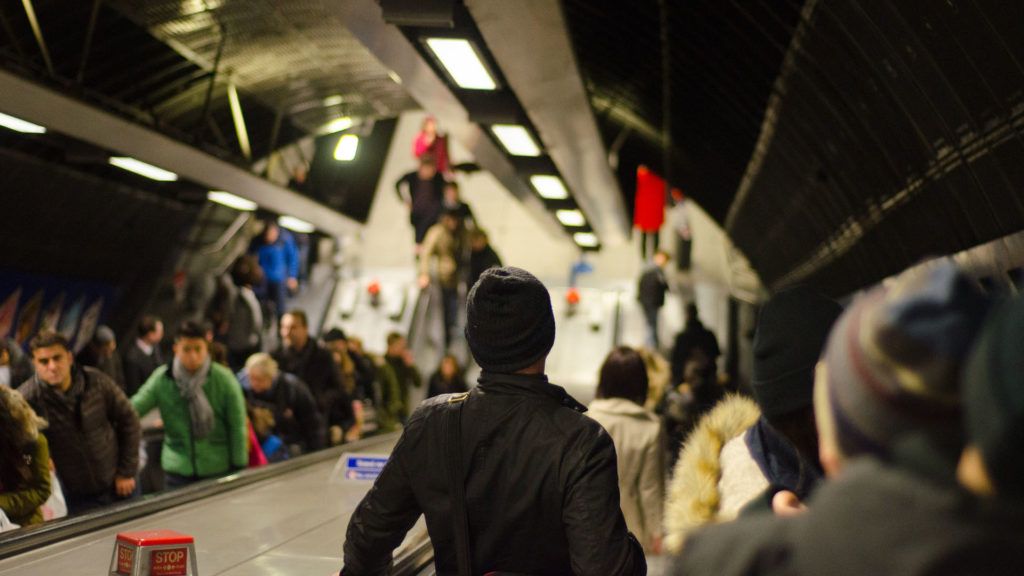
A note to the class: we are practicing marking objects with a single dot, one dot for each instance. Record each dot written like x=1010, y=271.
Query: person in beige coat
x=448, y=243
x=636, y=433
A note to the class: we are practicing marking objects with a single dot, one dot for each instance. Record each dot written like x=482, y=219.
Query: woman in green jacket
x=203, y=411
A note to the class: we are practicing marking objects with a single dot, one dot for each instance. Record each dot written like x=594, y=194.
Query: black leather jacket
x=542, y=489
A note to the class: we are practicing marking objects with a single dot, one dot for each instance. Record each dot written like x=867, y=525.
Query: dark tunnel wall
x=898, y=136
x=62, y=223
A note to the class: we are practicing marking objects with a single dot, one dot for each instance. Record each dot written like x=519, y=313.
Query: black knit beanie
x=791, y=332
x=993, y=397
x=509, y=322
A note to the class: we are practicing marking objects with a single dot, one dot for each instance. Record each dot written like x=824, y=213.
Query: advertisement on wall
x=30, y=303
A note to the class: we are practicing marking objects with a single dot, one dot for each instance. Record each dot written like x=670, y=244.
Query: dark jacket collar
x=527, y=384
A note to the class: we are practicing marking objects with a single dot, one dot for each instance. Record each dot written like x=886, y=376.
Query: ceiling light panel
x=20, y=125
x=296, y=225
x=516, y=139
x=143, y=169
x=585, y=239
x=549, y=187
x=462, y=62
x=571, y=217
x=346, y=149
x=336, y=125
x=231, y=201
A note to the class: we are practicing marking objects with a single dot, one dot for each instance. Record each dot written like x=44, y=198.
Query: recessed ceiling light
x=143, y=169
x=296, y=225
x=231, y=201
x=549, y=187
x=20, y=125
x=333, y=100
x=462, y=62
x=585, y=239
x=516, y=139
x=347, y=146
x=336, y=125
x=570, y=217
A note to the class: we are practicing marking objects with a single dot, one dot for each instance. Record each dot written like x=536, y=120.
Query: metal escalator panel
x=374, y=304
x=585, y=333
x=287, y=518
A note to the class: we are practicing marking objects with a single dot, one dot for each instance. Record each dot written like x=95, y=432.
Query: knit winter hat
x=791, y=332
x=994, y=398
x=509, y=322
x=894, y=359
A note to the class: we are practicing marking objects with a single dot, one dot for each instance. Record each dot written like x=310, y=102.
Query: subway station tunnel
x=832, y=143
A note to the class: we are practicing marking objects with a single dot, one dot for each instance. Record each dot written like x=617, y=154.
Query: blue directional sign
x=364, y=466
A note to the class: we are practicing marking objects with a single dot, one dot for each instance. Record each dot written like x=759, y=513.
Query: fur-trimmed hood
x=22, y=413
x=695, y=493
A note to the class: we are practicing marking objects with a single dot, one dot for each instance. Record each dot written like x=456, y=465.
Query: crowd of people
x=75, y=419
x=880, y=438
x=451, y=248
x=885, y=437
x=227, y=398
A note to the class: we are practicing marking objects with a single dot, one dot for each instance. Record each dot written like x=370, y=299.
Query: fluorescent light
x=296, y=225
x=347, y=146
x=516, y=140
x=570, y=217
x=333, y=100
x=336, y=125
x=143, y=169
x=231, y=201
x=462, y=62
x=585, y=239
x=394, y=77
x=549, y=187
x=20, y=125
x=239, y=119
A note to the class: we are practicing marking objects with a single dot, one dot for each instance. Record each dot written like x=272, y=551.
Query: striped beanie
x=994, y=398
x=894, y=359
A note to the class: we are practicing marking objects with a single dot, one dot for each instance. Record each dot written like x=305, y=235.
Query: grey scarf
x=190, y=386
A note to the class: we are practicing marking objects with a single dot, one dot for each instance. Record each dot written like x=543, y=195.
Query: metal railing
x=27, y=539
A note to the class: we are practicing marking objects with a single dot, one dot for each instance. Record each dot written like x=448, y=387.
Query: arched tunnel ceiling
x=837, y=141
x=152, y=60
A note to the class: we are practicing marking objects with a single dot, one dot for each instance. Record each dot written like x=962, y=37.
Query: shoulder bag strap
x=456, y=479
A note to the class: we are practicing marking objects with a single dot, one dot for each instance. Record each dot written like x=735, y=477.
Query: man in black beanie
x=540, y=481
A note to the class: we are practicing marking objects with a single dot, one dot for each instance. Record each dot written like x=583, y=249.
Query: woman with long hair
x=24, y=460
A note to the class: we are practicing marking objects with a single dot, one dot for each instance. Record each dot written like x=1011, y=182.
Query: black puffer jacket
x=93, y=440
x=541, y=488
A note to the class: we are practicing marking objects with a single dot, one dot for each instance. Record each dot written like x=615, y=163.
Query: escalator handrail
x=28, y=539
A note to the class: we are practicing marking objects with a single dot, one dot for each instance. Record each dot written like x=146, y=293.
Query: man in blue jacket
x=279, y=259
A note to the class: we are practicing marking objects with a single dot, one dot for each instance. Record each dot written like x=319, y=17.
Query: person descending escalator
x=448, y=243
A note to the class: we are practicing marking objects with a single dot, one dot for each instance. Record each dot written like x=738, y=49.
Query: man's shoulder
x=98, y=380
x=30, y=389
x=132, y=353
x=759, y=544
